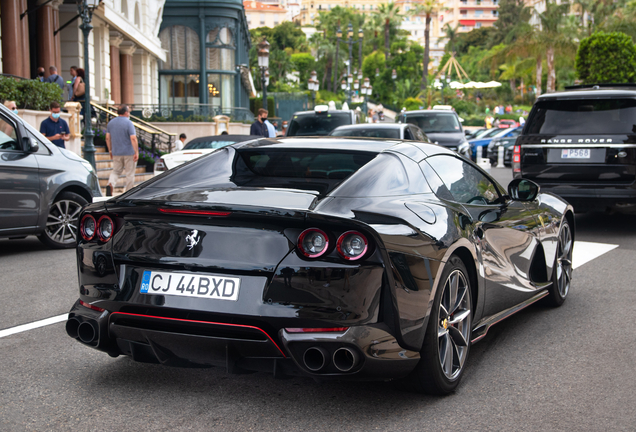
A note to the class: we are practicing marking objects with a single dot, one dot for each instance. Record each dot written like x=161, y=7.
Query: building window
x=407, y=8
x=182, y=46
x=137, y=16
x=479, y=13
x=477, y=25
x=220, y=50
x=179, y=90
x=221, y=90
x=275, y=23
x=495, y=13
x=262, y=18
x=124, y=8
x=319, y=7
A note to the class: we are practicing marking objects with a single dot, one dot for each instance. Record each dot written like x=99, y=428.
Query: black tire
x=62, y=221
x=436, y=373
x=562, y=269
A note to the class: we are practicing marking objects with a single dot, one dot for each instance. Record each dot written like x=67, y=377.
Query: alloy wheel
x=454, y=324
x=62, y=221
x=564, y=261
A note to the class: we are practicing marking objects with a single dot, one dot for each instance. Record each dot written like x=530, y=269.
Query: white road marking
x=33, y=325
x=585, y=252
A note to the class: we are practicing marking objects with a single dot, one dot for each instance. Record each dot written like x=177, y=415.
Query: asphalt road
x=543, y=369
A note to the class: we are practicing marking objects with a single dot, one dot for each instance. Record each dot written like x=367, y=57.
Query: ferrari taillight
x=313, y=242
x=87, y=227
x=352, y=245
x=105, y=228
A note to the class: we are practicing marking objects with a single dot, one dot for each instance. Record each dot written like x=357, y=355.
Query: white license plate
x=575, y=153
x=190, y=285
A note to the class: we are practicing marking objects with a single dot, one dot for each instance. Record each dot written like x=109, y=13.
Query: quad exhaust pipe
x=85, y=331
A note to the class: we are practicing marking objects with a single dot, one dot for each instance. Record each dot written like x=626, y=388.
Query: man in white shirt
x=178, y=145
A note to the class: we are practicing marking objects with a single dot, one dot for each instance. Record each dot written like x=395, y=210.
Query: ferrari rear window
x=310, y=169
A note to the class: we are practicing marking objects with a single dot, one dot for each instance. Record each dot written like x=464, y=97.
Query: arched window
x=220, y=49
x=124, y=8
x=137, y=16
x=182, y=46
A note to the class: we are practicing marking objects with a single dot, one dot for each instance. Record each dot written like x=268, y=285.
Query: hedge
x=257, y=103
x=30, y=94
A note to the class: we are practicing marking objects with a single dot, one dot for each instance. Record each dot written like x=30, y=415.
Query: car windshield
x=370, y=132
x=313, y=124
x=435, y=122
x=213, y=144
x=583, y=116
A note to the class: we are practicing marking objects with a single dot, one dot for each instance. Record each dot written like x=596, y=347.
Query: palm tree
x=389, y=14
x=428, y=8
x=326, y=49
x=451, y=34
x=552, y=37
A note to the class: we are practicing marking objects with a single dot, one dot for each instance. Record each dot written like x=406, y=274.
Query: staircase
x=104, y=166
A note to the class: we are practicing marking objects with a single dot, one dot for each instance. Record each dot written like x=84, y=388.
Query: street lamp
x=350, y=42
x=263, y=64
x=393, y=75
x=85, y=9
x=338, y=37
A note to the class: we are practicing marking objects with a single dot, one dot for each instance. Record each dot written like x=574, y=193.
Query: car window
x=435, y=122
x=419, y=135
x=386, y=175
x=213, y=144
x=8, y=136
x=367, y=132
x=317, y=124
x=583, y=116
x=466, y=183
x=407, y=134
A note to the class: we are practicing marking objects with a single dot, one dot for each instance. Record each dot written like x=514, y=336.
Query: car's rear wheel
x=562, y=270
x=62, y=221
x=447, y=340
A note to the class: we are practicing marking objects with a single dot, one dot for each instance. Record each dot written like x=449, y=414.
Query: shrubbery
x=30, y=94
x=606, y=58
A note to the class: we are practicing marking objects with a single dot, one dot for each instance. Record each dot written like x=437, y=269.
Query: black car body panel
x=581, y=145
x=238, y=214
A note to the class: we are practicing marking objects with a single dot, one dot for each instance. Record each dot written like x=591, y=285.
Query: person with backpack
x=54, y=78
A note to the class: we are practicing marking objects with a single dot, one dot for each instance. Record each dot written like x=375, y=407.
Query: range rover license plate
x=575, y=153
x=190, y=285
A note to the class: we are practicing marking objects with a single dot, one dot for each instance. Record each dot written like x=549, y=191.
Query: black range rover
x=581, y=145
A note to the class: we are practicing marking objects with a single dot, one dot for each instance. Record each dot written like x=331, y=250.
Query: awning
x=470, y=23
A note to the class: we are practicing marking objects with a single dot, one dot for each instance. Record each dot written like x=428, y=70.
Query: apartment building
x=264, y=14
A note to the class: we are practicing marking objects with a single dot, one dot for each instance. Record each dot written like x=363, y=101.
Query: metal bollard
x=500, y=157
x=480, y=151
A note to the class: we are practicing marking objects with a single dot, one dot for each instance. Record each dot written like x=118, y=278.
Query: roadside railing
x=185, y=112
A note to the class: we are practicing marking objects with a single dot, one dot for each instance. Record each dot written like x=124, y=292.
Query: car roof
x=362, y=144
x=576, y=93
x=373, y=126
x=235, y=138
x=321, y=113
x=437, y=111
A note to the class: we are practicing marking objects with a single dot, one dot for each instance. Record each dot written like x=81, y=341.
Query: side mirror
x=29, y=146
x=523, y=190
x=467, y=132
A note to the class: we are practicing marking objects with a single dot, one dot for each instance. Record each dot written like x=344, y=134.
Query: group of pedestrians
x=263, y=127
x=77, y=87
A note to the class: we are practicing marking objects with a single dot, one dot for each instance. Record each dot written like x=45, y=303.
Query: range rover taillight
x=516, y=159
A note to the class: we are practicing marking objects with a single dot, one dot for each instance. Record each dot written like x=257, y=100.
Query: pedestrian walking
x=259, y=127
x=54, y=78
x=54, y=128
x=40, y=76
x=121, y=140
x=79, y=86
x=73, y=72
x=178, y=146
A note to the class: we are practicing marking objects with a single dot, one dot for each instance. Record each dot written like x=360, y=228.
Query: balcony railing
x=184, y=112
x=474, y=4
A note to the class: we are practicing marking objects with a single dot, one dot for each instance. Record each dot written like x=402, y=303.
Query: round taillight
x=105, y=228
x=87, y=227
x=313, y=242
x=352, y=245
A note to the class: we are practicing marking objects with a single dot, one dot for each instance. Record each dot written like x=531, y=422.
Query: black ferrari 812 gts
x=328, y=257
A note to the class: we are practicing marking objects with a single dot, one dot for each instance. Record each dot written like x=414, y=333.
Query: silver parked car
x=382, y=130
x=42, y=187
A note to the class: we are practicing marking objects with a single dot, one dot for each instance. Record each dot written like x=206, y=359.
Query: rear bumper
x=372, y=352
x=592, y=197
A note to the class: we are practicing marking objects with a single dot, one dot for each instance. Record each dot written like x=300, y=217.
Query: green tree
x=304, y=63
x=606, y=58
x=389, y=15
x=510, y=14
x=451, y=34
x=427, y=8
x=479, y=38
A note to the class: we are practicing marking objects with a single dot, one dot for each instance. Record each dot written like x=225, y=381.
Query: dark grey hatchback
x=581, y=145
x=42, y=187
